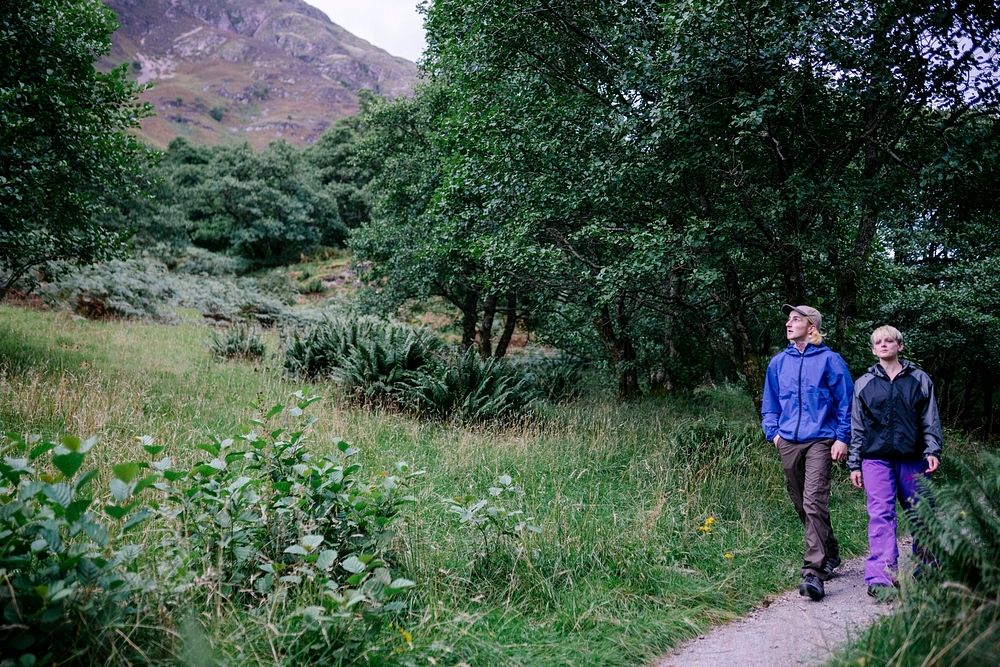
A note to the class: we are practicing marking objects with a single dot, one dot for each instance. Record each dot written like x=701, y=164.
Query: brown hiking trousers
x=807, y=475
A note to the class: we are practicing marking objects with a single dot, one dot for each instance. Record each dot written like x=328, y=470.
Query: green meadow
x=651, y=520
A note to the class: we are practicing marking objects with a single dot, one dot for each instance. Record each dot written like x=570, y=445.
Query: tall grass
x=626, y=563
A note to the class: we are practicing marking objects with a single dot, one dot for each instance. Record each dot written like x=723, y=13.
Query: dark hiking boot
x=829, y=567
x=812, y=586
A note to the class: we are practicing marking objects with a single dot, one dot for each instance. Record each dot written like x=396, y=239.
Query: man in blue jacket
x=806, y=413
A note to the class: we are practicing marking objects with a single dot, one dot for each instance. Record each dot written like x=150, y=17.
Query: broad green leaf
x=61, y=493
x=77, y=508
x=40, y=449
x=353, y=564
x=211, y=448
x=68, y=464
x=85, y=479
x=326, y=559
x=400, y=584
x=145, y=483
x=95, y=531
x=119, y=489
x=126, y=472
x=135, y=520
x=71, y=442
x=310, y=542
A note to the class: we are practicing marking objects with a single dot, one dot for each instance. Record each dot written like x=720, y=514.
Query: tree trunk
x=853, y=267
x=486, y=327
x=620, y=349
x=470, y=314
x=509, y=323
x=749, y=363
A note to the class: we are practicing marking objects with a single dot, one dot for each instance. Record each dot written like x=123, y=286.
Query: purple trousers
x=885, y=482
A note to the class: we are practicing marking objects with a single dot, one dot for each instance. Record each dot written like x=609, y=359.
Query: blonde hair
x=886, y=331
x=816, y=337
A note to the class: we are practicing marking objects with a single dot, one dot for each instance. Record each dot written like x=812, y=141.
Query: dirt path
x=790, y=630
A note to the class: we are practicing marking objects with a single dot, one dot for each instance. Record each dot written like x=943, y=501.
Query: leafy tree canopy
x=64, y=149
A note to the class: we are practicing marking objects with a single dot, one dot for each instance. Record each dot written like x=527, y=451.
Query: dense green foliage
x=657, y=178
x=64, y=151
x=266, y=208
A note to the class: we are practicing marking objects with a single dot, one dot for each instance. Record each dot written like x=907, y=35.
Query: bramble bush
x=69, y=563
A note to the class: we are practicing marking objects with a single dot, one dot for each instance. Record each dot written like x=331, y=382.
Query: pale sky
x=393, y=25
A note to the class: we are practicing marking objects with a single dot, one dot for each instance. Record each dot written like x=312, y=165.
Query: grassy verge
x=657, y=518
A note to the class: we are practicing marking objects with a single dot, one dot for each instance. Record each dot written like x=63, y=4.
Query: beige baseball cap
x=810, y=313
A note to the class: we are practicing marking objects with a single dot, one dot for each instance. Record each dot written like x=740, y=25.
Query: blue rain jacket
x=807, y=395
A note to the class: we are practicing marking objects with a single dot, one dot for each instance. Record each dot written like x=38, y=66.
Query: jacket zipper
x=802, y=358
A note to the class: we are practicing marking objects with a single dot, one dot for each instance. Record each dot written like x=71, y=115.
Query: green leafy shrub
x=239, y=341
x=264, y=521
x=267, y=520
x=69, y=572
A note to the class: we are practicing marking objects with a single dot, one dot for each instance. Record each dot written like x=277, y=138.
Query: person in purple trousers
x=895, y=440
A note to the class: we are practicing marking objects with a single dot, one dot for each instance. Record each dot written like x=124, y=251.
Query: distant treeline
x=265, y=208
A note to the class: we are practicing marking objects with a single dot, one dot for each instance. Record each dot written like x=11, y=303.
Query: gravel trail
x=790, y=630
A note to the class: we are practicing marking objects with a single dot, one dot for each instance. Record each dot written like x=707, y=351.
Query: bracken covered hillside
x=225, y=71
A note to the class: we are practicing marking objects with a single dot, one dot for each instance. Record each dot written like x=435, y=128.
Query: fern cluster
x=960, y=528
x=240, y=341
x=389, y=364
x=471, y=389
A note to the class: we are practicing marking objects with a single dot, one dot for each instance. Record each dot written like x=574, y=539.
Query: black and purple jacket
x=894, y=420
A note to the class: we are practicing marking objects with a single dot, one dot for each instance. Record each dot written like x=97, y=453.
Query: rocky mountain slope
x=225, y=71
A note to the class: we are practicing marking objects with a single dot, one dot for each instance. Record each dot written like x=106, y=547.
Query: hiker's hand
x=776, y=439
x=856, y=479
x=839, y=451
x=932, y=463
